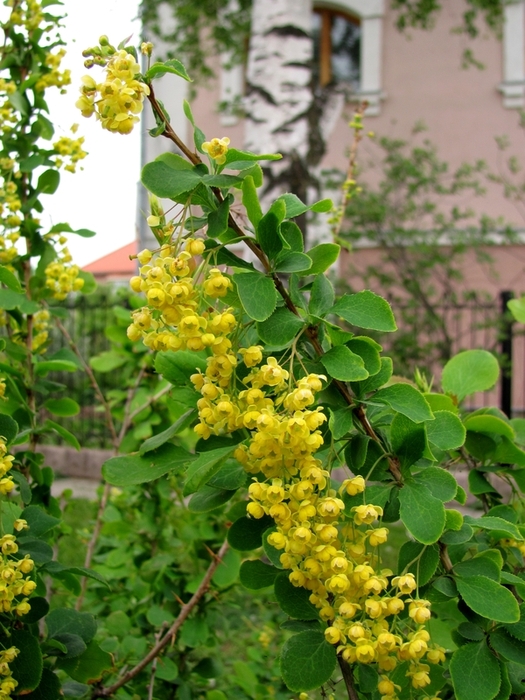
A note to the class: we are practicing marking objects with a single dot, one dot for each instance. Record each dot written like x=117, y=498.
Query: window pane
x=346, y=42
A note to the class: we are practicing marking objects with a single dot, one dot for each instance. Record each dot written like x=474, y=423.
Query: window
x=337, y=48
x=348, y=49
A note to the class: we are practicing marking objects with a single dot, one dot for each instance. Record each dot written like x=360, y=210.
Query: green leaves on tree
x=257, y=294
x=139, y=469
x=422, y=514
x=307, y=661
x=468, y=665
x=469, y=372
x=366, y=310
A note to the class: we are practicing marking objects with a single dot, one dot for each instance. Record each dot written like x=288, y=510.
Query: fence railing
x=471, y=324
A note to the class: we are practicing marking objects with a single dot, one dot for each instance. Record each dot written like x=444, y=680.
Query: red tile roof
x=115, y=264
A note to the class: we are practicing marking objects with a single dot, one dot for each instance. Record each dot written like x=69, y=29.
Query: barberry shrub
x=301, y=422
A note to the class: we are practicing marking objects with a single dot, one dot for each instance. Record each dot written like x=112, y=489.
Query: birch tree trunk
x=285, y=111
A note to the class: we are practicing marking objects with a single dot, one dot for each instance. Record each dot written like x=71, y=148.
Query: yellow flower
x=217, y=149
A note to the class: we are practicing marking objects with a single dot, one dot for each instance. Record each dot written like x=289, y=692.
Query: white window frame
x=513, y=85
x=370, y=14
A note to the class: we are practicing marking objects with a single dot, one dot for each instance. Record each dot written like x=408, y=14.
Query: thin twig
x=107, y=410
x=154, y=666
x=171, y=633
x=348, y=678
x=93, y=542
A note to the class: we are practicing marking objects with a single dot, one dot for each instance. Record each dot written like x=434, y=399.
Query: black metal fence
x=91, y=321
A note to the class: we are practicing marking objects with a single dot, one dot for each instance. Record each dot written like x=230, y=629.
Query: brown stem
x=445, y=559
x=171, y=633
x=348, y=678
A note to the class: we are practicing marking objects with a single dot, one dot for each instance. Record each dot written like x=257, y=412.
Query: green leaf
x=341, y=363
x=38, y=520
x=177, y=367
x=167, y=670
x=9, y=279
x=69, y=438
x=366, y=310
x=39, y=551
x=228, y=571
x=8, y=428
x=48, y=182
x=62, y=407
x=172, y=66
x=164, y=180
x=74, y=644
x=408, y=440
x=233, y=155
x=464, y=534
x=294, y=601
x=69, y=621
x=446, y=431
x=218, y=220
x=377, y=380
x=257, y=294
x=246, y=533
x=10, y=300
x=293, y=262
x=49, y=687
x=356, y=452
x=280, y=328
x=27, y=667
x=322, y=296
x=440, y=483
x=418, y=559
x=488, y=522
x=323, y=256
x=307, y=661
x=255, y=574
x=108, y=361
x=273, y=554
x=268, y=235
x=46, y=366
x=250, y=200
x=90, y=283
x=208, y=498
x=139, y=469
x=421, y=513
x=479, y=565
x=405, y=399
x=517, y=308
x=293, y=236
x=340, y=422
x=469, y=372
x=230, y=476
x=39, y=609
x=294, y=206
x=82, y=232
x=89, y=666
x=475, y=672
x=369, y=350
x=156, y=441
x=517, y=629
x=490, y=424
x=488, y=598
x=204, y=467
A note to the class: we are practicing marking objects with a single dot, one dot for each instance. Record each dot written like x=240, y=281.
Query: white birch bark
x=284, y=112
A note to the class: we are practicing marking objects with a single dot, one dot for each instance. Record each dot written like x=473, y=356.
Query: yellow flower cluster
x=40, y=332
x=71, y=150
x=217, y=149
x=62, y=279
x=54, y=77
x=173, y=319
x=28, y=14
x=328, y=548
x=117, y=100
x=6, y=462
x=7, y=682
x=14, y=582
